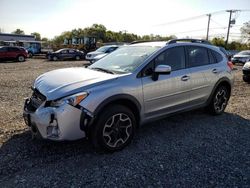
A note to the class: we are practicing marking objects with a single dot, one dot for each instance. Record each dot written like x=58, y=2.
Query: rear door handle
x=185, y=78
x=215, y=71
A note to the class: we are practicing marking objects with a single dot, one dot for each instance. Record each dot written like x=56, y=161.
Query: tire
x=55, y=58
x=78, y=58
x=246, y=78
x=20, y=58
x=114, y=129
x=219, y=100
x=49, y=58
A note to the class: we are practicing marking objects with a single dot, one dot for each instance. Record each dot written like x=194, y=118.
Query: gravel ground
x=192, y=149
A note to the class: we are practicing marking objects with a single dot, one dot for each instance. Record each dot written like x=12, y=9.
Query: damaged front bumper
x=65, y=122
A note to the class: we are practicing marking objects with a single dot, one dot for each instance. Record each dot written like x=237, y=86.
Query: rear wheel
x=20, y=58
x=219, y=100
x=114, y=128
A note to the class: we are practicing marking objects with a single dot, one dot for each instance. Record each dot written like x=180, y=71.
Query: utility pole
x=209, y=17
x=229, y=23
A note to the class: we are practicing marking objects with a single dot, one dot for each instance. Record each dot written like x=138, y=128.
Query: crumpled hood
x=63, y=82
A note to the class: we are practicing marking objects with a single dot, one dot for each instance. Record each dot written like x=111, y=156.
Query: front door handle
x=185, y=78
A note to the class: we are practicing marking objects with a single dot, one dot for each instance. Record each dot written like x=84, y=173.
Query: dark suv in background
x=13, y=53
x=65, y=54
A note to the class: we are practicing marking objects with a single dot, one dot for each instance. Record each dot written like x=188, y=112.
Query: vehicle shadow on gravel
x=194, y=138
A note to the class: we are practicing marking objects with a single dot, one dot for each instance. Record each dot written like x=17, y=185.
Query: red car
x=13, y=53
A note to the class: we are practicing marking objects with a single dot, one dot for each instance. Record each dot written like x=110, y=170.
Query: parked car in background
x=13, y=53
x=246, y=72
x=241, y=57
x=65, y=54
x=135, y=84
x=100, y=53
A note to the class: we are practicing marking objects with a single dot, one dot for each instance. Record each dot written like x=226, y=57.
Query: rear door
x=3, y=52
x=12, y=52
x=198, y=65
x=72, y=54
x=64, y=54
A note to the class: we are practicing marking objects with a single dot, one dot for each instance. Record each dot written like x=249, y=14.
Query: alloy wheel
x=220, y=100
x=117, y=130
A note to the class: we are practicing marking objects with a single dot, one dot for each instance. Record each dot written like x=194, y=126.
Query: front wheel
x=21, y=58
x=77, y=57
x=114, y=128
x=55, y=58
x=219, y=101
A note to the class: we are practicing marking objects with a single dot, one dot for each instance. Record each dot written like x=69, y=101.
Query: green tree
x=37, y=36
x=218, y=42
x=18, y=31
x=96, y=30
x=245, y=31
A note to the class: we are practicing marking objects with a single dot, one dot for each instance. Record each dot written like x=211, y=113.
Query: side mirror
x=161, y=69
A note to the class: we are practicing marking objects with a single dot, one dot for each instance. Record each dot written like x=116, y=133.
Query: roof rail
x=189, y=40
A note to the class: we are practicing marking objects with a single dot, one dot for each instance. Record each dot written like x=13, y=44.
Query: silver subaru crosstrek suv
x=107, y=101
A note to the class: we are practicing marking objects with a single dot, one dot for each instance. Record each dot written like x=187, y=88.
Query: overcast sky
x=52, y=17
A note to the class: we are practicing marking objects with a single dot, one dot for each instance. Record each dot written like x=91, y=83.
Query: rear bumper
x=55, y=123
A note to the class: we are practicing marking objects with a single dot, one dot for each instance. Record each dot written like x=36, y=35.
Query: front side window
x=72, y=51
x=174, y=57
x=3, y=49
x=197, y=56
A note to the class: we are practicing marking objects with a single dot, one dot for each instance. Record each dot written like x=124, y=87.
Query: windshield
x=103, y=49
x=244, y=53
x=125, y=60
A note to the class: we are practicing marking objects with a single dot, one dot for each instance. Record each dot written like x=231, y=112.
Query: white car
x=246, y=72
x=100, y=53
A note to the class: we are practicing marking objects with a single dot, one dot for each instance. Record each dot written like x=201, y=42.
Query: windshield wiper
x=103, y=70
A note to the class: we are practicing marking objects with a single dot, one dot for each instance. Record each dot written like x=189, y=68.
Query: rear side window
x=72, y=51
x=217, y=56
x=13, y=49
x=197, y=56
x=212, y=58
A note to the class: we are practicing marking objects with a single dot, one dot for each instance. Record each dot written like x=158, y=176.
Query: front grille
x=35, y=101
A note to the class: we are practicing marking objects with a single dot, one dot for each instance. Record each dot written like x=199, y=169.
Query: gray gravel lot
x=192, y=149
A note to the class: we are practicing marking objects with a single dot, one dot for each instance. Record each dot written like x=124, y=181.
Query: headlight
x=72, y=100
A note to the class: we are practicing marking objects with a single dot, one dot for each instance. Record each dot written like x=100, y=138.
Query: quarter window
x=197, y=56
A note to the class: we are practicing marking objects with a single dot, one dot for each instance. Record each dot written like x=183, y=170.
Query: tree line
x=103, y=35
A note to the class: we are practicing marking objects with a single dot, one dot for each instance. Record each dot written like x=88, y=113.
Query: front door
x=169, y=93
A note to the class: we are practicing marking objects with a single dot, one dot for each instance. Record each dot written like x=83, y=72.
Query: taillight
x=230, y=65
